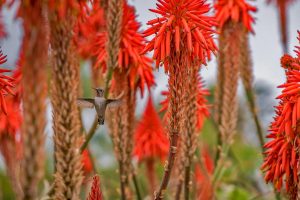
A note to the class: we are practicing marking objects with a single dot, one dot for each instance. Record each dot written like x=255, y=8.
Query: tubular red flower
x=6, y=84
x=235, y=10
x=281, y=155
x=10, y=122
x=86, y=162
x=91, y=22
x=150, y=138
x=95, y=193
x=202, y=107
x=202, y=176
x=181, y=23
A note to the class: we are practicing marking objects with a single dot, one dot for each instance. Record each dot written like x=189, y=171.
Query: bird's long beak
x=94, y=88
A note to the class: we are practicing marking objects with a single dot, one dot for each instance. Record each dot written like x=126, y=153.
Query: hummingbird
x=100, y=103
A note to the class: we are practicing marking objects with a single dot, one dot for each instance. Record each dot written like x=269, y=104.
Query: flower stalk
x=66, y=124
x=35, y=47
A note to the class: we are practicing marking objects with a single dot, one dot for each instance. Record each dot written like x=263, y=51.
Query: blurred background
x=266, y=53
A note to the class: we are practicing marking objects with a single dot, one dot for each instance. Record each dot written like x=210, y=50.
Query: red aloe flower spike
x=93, y=41
x=183, y=26
x=182, y=23
x=235, y=10
x=91, y=23
x=95, y=192
x=151, y=141
x=282, y=155
x=6, y=84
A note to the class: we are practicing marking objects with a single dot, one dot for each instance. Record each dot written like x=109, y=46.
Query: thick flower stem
x=176, y=120
x=114, y=24
x=187, y=182
x=34, y=95
x=122, y=181
x=168, y=166
x=151, y=174
x=66, y=124
x=229, y=63
x=178, y=190
x=190, y=124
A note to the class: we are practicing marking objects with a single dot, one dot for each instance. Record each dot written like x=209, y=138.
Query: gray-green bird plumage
x=100, y=103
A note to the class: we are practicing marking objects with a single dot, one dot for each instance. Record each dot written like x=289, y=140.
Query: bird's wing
x=85, y=102
x=115, y=102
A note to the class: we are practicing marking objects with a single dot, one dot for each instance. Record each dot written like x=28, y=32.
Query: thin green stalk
x=187, y=183
x=107, y=81
x=220, y=165
x=251, y=101
x=136, y=186
x=89, y=135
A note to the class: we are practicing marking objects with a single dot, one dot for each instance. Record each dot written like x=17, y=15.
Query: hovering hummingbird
x=100, y=103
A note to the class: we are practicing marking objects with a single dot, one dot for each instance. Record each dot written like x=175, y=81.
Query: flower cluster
x=6, y=84
x=91, y=24
x=132, y=43
x=11, y=120
x=282, y=155
x=235, y=10
x=150, y=138
x=182, y=25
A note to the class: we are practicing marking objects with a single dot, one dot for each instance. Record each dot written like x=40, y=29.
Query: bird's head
x=99, y=91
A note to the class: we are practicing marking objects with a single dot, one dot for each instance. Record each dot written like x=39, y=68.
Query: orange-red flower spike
x=181, y=24
x=235, y=10
x=282, y=155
